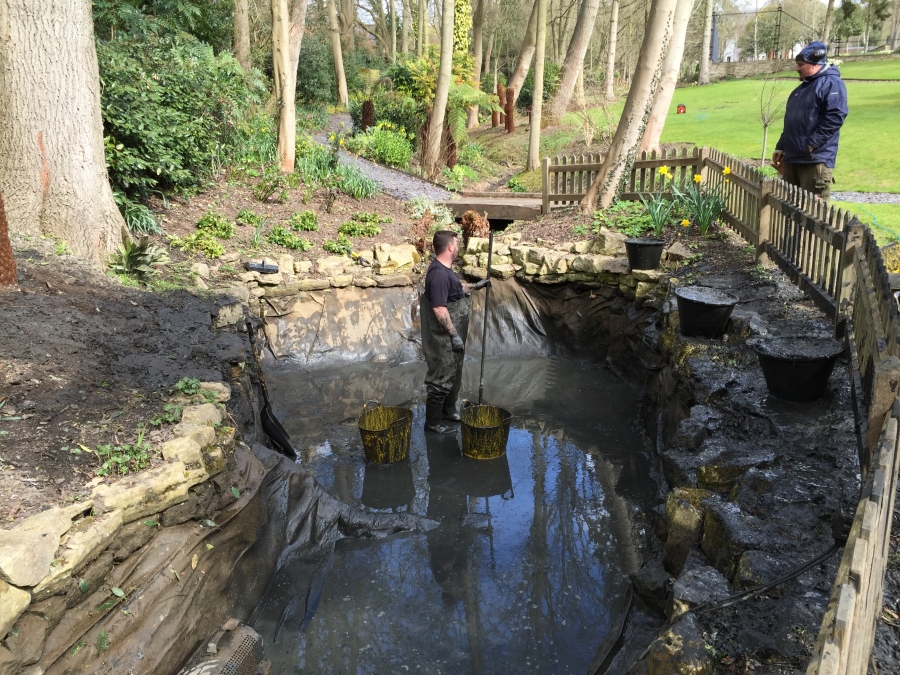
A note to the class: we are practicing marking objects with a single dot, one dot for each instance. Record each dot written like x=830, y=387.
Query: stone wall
x=740, y=69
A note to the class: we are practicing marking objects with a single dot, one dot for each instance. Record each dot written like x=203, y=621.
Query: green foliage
x=580, y=230
x=304, y=221
x=453, y=178
x=702, y=204
x=281, y=236
x=170, y=109
x=188, y=386
x=471, y=154
x=60, y=248
x=171, y=414
x=341, y=246
x=137, y=217
x=515, y=186
x=200, y=241
x=441, y=216
x=138, y=258
x=552, y=73
x=363, y=217
x=216, y=224
x=312, y=116
x=256, y=239
x=385, y=144
x=315, y=70
x=659, y=208
x=102, y=643
x=209, y=22
x=629, y=218
x=355, y=183
x=316, y=165
x=274, y=184
x=248, y=217
x=123, y=459
x=394, y=107
x=354, y=229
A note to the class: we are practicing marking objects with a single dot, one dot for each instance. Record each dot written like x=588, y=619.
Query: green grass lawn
x=882, y=69
x=884, y=218
x=726, y=116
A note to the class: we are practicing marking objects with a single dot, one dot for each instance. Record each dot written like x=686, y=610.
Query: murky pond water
x=527, y=570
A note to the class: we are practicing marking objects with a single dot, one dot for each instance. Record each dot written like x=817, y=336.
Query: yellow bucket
x=385, y=433
x=485, y=431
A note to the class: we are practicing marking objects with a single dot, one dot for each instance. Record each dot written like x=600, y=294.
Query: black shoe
x=452, y=417
x=438, y=428
x=433, y=418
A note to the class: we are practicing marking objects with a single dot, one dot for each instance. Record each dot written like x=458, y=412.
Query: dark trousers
x=444, y=376
x=815, y=178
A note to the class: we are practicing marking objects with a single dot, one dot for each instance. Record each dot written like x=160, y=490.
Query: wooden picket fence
x=835, y=260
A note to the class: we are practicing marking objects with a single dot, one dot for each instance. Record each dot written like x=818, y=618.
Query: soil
x=85, y=361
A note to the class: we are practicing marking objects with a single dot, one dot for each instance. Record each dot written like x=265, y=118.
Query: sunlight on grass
x=883, y=218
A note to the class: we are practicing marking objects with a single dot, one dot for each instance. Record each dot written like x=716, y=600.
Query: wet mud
x=528, y=567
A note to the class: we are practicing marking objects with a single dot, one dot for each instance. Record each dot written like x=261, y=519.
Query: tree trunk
x=496, y=115
x=52, y=165
x=704, y=47
x=343, y=97
x=579, y=88
x=510, y=110
x=486, y=66
x=829, y=20
x=392, y=6
x=618, y=161
x=423, y=21
x=7, y=261
x=611, y=50
x=347, y=18
x=477, y=39
x=537, y=103
x=431, y=161
x=241, y=28
x=284, y=93
x=525, y=55
x=295, y=39
x=578, y=45
x=671, y=67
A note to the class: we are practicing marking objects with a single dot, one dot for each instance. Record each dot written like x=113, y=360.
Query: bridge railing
x=836, y=261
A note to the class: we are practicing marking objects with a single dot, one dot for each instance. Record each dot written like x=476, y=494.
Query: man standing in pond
x=444, y=310
x=815, y=111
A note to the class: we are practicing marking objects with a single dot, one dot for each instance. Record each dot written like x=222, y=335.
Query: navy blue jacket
x=813, y=116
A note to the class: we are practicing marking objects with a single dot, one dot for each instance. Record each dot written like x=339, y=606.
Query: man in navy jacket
x=813, y=117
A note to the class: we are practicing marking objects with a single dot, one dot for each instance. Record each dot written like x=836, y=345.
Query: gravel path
x=867, y=197
x=398, y=184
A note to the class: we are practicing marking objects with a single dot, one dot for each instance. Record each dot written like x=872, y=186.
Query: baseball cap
x=813, y=53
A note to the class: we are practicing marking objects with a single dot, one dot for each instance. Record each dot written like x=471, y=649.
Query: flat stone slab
x=25, y=557
x=13, y=601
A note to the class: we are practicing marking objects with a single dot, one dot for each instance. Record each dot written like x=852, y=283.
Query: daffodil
x=664, y=171
x=726, y=170
x=727, y=180
x=698, y=178
x=685, y=223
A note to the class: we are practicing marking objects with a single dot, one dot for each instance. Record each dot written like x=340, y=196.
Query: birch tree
x=669, y=78
x=284, y=93
x=52, y=164
x=241, y=32
x=618, y=161
x=526, y=53
x=611, y=50
x=343, y=96
x=534, y=130
x=578, y=45
x=703, y=77
x=295, y=39
x=477, y=45
x=431, y=160
x=829, y=21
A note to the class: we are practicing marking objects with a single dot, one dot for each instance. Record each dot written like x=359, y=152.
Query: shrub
x=393, y=107
x=441, y=216
x=341, y=246
x=274, y=183
x=354, y=229
x=629, y=218
x=304, y=221
x=216, y=224
x=137, y=258
x=383, y=143
x=363, y=217
x=356, y=184
x=453, y=178
x=471, y=154
x=551, y=82
x=170, y=109
x=137, y=217
x=281, y=236
x=315, y=69
x=248, y=217
x=515, y=186
x=200, y=241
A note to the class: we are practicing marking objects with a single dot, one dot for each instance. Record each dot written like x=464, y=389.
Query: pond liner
x=797, y=368
x=704, y=311
x=644, y=253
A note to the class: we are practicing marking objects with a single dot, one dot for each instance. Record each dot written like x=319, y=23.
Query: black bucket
x=385, y=433
x=644, y=254
x=388, y=487
x=704, y=311
x=798, y=368
x=485, y=430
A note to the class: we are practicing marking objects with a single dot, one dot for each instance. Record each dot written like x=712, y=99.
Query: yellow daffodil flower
x=698, y=178
x=685, y=223
x=726, y=170
x=663, y=171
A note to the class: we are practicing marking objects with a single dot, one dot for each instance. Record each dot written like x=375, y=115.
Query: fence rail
x=835, y=259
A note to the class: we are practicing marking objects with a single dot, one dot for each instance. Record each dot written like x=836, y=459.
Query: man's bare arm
x=442, y=314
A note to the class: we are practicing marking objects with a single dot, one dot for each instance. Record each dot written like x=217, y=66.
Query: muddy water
x=527, y=567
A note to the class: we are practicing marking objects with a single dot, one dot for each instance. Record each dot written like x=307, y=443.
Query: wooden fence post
x=853, y=237
x=701, y=163
x=545, y=185
x=885, y=387
x=765, y=219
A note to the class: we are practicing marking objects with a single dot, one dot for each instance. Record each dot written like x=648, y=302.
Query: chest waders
x=444, y=376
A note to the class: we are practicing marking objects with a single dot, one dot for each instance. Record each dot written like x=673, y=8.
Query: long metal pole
x=487, y=307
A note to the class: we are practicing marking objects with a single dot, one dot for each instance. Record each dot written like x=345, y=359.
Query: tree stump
x=510, y=110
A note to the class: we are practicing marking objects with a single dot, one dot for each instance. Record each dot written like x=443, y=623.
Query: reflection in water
x=527, y=568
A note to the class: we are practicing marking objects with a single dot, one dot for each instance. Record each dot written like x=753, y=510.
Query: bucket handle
x=366, y=404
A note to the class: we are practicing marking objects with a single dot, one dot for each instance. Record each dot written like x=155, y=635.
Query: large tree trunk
x=671, y=67
x=704, y=47
x=241, y=28
x=578, y=45
x=611, y=50
x=404, y=36
x=295, y=39
x=525, y=55
x=537, y=103
x=620, y=158
x=486, y=66
x=347, y=19
x=423, y=22
x=829, y=20
x=7, y=261
x=284, y=93
x=392, y=6
x=431, y=160
x=477, y=39
x=52, y=165
x=343, y=97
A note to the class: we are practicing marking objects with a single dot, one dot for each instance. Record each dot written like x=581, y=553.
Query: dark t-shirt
x=442, y=286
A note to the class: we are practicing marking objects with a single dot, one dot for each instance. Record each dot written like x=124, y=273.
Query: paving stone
x=313, y=284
